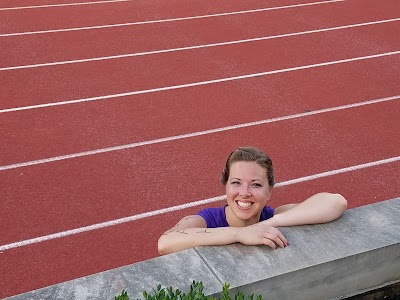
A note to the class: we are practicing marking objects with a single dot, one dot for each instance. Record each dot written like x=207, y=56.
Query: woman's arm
x=320, y=208
x=191, y=232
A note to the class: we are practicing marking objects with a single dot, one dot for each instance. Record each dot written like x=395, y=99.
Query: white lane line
x=60, y=5
x=194, y=134
x=185, y=206
x=171, y=20
x=200, y=83
x=198, y=46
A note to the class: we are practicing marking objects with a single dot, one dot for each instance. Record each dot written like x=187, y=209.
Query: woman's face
x=247, y=192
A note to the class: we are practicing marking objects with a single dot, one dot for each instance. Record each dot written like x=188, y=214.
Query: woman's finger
x=269, y=243
x=275, y=239
x=280, y=239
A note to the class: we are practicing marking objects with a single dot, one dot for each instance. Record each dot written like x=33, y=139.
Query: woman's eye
x=235, y=182
x=257, y=185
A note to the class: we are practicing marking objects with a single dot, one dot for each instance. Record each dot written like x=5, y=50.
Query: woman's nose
x=244, y=191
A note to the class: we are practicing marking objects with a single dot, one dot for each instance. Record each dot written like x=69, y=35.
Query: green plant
x=238, y=296
x=122, y=296
x=195, y=293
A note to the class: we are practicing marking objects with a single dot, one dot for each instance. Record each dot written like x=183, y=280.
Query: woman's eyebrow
x=257, y=179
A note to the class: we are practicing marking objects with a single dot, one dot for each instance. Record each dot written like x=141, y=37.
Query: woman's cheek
x=231, y=191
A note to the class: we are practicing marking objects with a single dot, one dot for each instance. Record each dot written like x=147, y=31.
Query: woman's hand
x=261, y=234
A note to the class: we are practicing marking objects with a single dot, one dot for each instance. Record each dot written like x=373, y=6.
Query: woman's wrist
x=236, y=234
x=274, y=221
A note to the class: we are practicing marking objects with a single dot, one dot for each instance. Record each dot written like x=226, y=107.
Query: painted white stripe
x=198, y=46
x=171, y=20
x=60, y=5
x=194, y=134
x=185, y=206
x=181, y=86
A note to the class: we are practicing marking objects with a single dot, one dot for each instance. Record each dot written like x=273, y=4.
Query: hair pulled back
x=249, y=154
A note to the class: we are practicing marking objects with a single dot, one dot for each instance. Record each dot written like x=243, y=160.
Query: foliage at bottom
x=195, y=293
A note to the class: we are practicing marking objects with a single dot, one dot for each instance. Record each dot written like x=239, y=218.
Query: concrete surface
x=177, y=270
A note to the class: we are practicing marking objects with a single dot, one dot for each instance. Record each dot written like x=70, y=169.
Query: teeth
x=244, y=204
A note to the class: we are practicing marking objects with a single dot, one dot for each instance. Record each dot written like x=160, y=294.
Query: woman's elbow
x=167, y=245
x=163, y=246
x=339, y=203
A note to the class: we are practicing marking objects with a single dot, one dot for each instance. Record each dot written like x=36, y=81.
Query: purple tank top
x=215, y=217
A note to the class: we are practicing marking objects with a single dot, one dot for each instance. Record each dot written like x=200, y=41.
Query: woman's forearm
x=256, y=234
x=320, y=208
x=173, y=241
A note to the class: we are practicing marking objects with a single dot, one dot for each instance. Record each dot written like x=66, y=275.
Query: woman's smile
x=244, y=204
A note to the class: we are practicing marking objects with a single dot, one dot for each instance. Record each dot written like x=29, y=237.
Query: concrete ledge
x=358, y=252
x=177, y=270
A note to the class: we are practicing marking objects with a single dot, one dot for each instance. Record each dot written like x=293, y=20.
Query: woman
x=248, y=178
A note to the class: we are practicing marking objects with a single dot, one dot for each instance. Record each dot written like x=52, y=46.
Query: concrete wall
x=358, y=252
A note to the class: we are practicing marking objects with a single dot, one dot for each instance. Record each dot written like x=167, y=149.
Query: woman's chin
x=245, y=214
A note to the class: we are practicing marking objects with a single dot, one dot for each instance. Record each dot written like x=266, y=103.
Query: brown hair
x=249, y=154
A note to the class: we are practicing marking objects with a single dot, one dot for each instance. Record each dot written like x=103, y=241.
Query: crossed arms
x=192, y=230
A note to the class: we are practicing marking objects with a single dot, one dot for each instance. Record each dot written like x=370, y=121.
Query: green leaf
x=122, y=296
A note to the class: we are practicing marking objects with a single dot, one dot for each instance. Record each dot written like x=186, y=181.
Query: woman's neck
x=234, y=221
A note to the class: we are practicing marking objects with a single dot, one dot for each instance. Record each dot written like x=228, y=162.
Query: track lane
x=132, y=11
x=88, y=190
x=45, y=133
x=60, y=83
x=24, y=3
x=75, y=256
x=150, y=37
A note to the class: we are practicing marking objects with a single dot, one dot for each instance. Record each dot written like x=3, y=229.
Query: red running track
x=93, y=190
x=84, y=80
x=159, y=36
x=56, y=196
x=43, y=133
x=119, y=12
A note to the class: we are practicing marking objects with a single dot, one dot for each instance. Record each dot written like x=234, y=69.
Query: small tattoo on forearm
x=205, y=231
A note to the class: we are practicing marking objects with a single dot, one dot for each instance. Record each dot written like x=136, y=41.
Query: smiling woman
x=248, y=178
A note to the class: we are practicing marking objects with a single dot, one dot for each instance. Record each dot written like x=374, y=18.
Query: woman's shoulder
x=214, y=216
x=266, y=213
